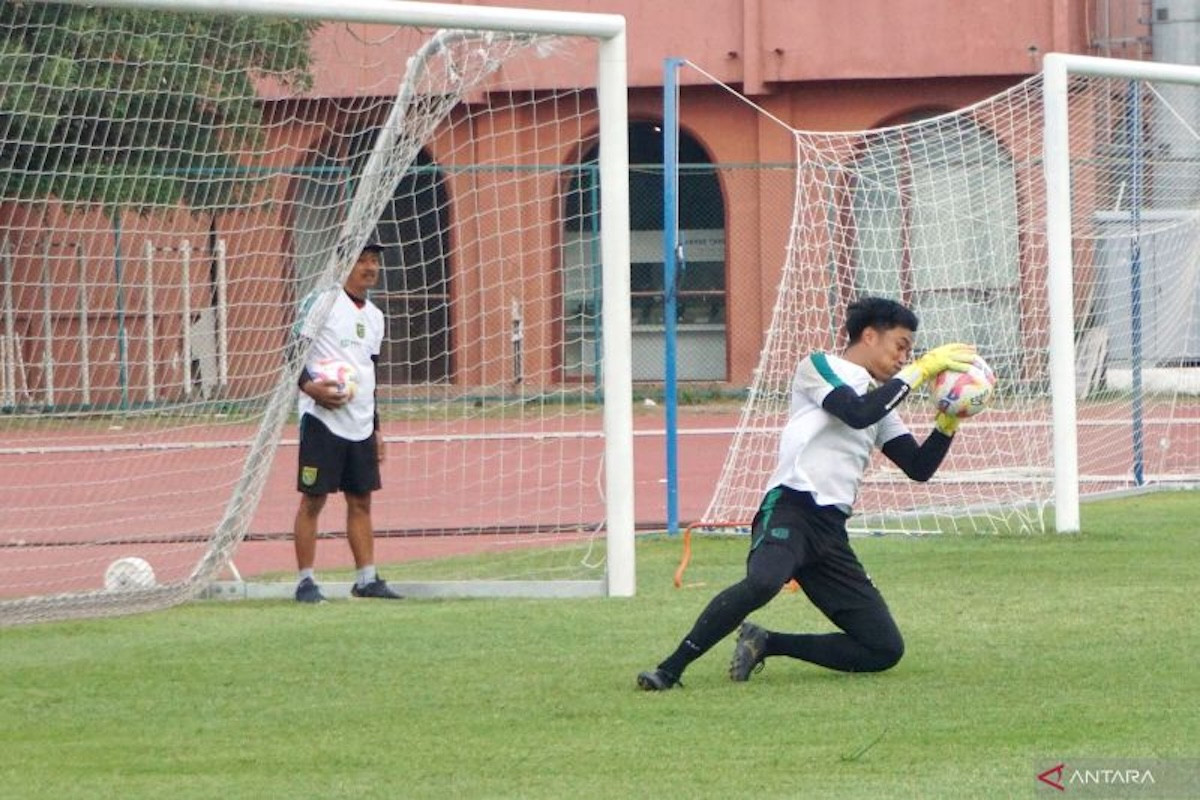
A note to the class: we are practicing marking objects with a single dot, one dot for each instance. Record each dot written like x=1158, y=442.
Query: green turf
x=1021, y=650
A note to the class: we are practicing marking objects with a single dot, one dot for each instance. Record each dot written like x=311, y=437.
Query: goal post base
x=252, y=590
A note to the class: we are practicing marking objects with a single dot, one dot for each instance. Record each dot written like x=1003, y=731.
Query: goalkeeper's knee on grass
x=884, y=655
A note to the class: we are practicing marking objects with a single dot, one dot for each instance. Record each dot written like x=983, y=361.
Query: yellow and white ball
x=965, y=394
x=332, y=369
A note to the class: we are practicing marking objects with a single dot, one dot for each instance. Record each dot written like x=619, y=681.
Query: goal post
x=1057, y=68
x=1056, y=225
x=213, y=162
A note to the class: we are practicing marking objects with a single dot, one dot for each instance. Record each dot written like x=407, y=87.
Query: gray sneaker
x=307, y=591
x=748, y=652
x=377, y=588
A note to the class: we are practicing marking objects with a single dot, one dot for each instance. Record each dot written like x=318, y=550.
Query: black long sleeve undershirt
x=862, y=410
x=919, y=462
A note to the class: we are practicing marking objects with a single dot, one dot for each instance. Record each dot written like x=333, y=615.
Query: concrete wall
x=758, y=43
x=822, y=65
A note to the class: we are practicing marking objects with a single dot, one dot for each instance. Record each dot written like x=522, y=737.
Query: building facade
x=815, y=65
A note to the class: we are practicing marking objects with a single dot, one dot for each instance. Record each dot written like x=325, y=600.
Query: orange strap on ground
x=686, y=557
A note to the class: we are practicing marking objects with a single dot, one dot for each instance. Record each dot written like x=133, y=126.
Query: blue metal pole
x=671, y=257
x=1135, y=283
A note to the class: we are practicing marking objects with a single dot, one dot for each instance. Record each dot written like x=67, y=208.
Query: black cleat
x=748, y=652
x=377, y=588
x=657, y=680
x=307, y=591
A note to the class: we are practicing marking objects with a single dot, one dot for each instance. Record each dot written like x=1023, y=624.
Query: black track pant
x=792, y=537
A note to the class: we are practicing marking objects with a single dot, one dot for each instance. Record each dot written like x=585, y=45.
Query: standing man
x=340, y=444
x=841, y=409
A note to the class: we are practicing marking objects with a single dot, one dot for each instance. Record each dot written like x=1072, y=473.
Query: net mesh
x=947, y=214
x=173, y=185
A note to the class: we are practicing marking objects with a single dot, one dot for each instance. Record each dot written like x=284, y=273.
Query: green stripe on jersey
x=822, y=364
x=766, y=509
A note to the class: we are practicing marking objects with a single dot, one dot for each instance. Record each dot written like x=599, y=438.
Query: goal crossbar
x=397, y=12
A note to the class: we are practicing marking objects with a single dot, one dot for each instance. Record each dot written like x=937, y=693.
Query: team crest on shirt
x=308, y=475
x=360, y=329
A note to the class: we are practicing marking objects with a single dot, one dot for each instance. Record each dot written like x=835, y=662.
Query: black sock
x=719, y=619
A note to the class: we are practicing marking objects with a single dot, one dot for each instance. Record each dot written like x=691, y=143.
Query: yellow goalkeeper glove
x=945, y=423
x=956, y=356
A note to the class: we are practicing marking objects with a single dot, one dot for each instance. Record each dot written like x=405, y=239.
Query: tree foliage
x=137, y=109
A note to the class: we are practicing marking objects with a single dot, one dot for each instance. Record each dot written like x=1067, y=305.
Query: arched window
x=414, y=292
x=701, y=301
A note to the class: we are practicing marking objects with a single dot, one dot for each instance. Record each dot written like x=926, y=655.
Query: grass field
x=1021, y=652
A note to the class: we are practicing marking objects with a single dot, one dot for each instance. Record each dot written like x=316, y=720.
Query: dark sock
x=719, y=619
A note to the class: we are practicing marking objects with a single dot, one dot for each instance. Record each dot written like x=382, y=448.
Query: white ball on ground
x=129, y=573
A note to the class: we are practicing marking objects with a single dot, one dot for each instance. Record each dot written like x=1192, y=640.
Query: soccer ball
x=129, y=573
x=333, y=369
x=965, y=394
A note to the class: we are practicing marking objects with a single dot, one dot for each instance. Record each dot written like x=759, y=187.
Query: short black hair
x=879, y=313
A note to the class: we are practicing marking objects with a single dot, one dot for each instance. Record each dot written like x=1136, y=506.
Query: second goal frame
x=966, y=214
x=599, y=94
x=1057, y=69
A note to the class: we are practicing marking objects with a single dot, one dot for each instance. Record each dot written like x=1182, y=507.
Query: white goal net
x=173, y=183
x=948, y=212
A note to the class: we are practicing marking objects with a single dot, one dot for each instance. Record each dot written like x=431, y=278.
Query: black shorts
x=329, y=463
x=810, y=542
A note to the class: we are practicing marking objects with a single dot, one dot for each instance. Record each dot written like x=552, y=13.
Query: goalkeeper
x=841, y=409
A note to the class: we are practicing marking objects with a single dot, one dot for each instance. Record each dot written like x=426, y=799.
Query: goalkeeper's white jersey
x=350, y=334
x=818, y=453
